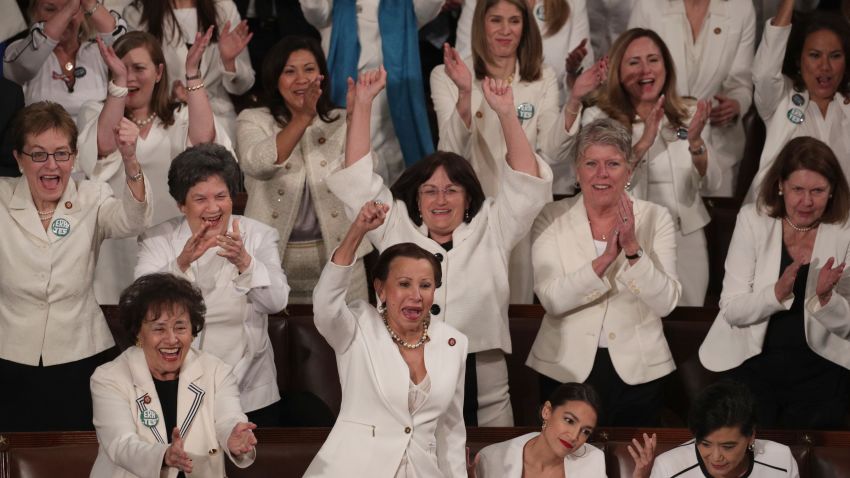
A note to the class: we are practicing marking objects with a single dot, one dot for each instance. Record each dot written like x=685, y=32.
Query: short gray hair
x=605, y=131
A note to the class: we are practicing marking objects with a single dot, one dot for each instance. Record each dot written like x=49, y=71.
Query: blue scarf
x=400, y=47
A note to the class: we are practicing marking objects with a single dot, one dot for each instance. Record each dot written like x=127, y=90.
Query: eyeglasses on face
x=41, y=156
x=433, y=191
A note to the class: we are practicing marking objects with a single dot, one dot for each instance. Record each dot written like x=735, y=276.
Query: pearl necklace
x=401, y=341
x=144, y=122
x=45, y=215
x=799, y=228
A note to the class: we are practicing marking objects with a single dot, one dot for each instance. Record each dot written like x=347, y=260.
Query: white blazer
x=207, y=410
x=478, y=308
x=748, y=299
x=375, y=427
x=772, y=460
x=724, y=68
x=504, y=460
x=260, y=290
x=48, y=308
x=631, y=300
x=483, y=143
x=774, y=97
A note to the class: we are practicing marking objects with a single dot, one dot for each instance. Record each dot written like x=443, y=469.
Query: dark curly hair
x=199, y=163
x=723, y=404
x=149, y=296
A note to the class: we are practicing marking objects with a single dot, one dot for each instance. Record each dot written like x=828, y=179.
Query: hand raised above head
x=369, y=85
x=232, y=42
x=117, y=68
x=456, y=69
x=196, y=51
x=371, y=215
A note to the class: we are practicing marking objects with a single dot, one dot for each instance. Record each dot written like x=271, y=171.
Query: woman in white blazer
x=560, y=448
x=163, y=408
x=712, y=45
x=53, y=331
x=401, y=371
x=784, y=321
x=439, y=205
x=605, y=294
x=225, y=68
x=672, y=162
x=233, y=261
x=802, y=85
x=563, y=25
x=287, y=148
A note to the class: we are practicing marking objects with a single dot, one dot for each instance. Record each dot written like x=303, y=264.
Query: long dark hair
x=804, y=25
x=273, y=66
x=156, y=13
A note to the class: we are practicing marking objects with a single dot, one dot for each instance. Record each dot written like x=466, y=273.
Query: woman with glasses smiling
x=438, y=204
x=52, y=331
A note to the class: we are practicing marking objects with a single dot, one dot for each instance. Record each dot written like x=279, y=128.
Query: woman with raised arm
x=671, y=161
x=402, y=373
x=439, y=205
x=59, y=60
x=224, y=68
x=139, y=92
x=802, y=87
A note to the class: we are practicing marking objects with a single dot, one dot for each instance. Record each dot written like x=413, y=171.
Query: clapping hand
x=175, y=456
x=456, y=69
x=306, y=105
x=499, y=96
x=232, y=42
x=827, y=278
x=609, y=255
x=573, y=62
x=785, y=285
x=242, y=439
x=116, y=67
x=195, y=247
x=233, y=249
x=371, y=215
x=627, y=240
x=590, y=79
x=699, y=121
x=651, y=124
x=643, y=456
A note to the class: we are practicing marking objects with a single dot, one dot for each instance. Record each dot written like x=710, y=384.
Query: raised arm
x=358, y=141
x=201, y=120
x=98, y=16
x=56, y=26
x=317, y=12
x=500, y=97
x=768, y=81
x=233, y=40
x=113, y=108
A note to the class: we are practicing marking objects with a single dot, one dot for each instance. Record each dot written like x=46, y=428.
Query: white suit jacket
x=375, y=426
x=772, y=460
x=478, y=308
x=260, y=290
x=774, y=93
x=483, y=143
x=725, y=66
x=748, y=299
x=207, y=410
x=504, y=460
x=630, y=299
x=689, y=211
x=47, y=304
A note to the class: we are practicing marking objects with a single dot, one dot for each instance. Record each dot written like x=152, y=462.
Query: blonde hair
x=86, y=33
x=529, y=52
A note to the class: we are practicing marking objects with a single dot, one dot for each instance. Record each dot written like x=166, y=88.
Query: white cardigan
x=725, y=67
x=479, y=307
x=748, y=299
x=207, y=410
x=375, y=426
x=631, y=299
x=259, y=291
x=504, y=460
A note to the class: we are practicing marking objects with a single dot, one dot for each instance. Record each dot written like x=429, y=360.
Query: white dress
x=117, y=259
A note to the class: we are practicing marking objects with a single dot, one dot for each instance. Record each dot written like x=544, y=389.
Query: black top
x=785, y=329
x=167, y=391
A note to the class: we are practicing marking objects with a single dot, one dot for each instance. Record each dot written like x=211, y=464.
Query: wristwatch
x=637, y=255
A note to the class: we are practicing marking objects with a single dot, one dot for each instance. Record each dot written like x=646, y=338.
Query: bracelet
x=196, y=87
x=569, y=111
x=196, y=76
x=137, y=177
x=117, y=91
x=697, y=152
x=89, y=13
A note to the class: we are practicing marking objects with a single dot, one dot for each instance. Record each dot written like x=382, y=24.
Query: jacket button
x=479, y=114
x=274, y=215
x=288, y=166
x=439, y=257
x=323, y=163
x=280, y=192
x=407, y=430
x=612, y=336
x=435, y=309
x=322, y=140
x=212, y=451
x=334, y=214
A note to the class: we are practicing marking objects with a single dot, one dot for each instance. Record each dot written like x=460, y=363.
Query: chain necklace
x=400, y=341
x=142, y=123
x=799, y=228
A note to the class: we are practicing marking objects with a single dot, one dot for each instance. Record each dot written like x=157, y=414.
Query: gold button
x=322, y=140
x=288, y=166
x=274, y=215
x=334, y=214
x=479, y=114
x=280, y=192
x=612, y=336
x=717, y=31
x=407, y=430
x=323, y=163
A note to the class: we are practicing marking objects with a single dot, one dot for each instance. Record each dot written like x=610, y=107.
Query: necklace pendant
x=69, y=66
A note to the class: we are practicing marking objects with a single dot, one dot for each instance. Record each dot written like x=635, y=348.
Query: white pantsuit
x=626, y=304
x=375, y=428
x=238, y=304
x=505, y=460
x=207, y=410
x=748, y=299
x=723, y=67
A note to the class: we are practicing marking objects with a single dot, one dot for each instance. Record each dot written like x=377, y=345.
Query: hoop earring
x=583, y=451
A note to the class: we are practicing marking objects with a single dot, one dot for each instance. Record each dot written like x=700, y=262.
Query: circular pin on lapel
x=147, y=399
x=525, y=111
x=68, y=204
x=452, y=342
x=149, y=418
x=797, y=99
x=539, y=13
x=60, y=227
x=79, y=72
x=682, y=133
x=796, y=115
x=717, y=31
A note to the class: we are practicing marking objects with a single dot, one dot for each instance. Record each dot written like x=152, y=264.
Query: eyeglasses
x=41, y=156
x=431, y=192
